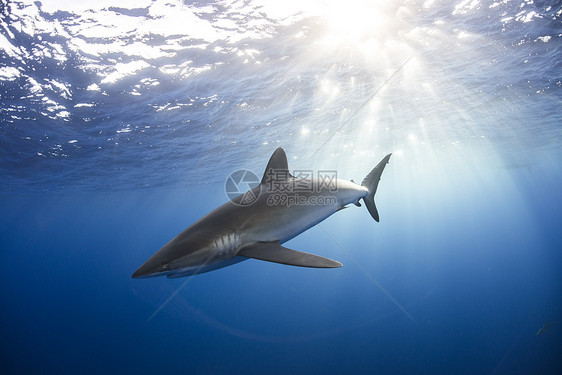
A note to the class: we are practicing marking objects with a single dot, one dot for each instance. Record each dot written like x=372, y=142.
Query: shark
x=256, y=223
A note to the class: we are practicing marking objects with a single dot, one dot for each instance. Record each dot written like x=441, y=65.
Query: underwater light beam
x=174, y=293
x=362, y=105
x=369, y=275
x=163, y=304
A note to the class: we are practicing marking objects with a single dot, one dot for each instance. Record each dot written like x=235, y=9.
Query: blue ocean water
x=121, y=120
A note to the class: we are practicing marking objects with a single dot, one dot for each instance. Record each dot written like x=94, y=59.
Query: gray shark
x=256, y=223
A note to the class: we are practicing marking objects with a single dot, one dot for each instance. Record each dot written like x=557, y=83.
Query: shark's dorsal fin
x=277, y=167
x=274, y=252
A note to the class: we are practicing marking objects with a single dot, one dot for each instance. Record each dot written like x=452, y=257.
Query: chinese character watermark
x=282, y=188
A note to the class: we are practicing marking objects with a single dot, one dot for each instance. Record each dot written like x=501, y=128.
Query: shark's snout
x=140, y=274
x=149, y=270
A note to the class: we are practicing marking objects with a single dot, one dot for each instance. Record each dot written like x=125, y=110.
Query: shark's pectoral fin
x=274, y=252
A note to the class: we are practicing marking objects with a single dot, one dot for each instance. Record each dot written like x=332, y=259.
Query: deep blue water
x=120, y=122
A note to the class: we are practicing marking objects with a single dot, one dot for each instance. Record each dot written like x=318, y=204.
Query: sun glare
x=352, y=21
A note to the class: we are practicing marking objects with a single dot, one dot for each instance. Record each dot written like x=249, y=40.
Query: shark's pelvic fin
x=277, y=167
x=371, y=182
x=274, y=252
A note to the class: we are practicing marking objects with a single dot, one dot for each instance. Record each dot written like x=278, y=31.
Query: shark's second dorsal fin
x=277, y=167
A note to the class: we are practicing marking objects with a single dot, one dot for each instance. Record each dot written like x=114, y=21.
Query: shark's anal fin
x=274, y=252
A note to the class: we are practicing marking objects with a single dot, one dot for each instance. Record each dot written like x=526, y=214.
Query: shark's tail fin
x=371, y=182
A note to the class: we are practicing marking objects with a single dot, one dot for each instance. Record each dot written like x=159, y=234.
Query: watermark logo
x=302, y=181
x=303, y=188
x=242, y=182
x=296, y=199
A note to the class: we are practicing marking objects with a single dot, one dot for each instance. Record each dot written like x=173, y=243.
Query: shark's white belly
x=286, y=222
x=302, y=222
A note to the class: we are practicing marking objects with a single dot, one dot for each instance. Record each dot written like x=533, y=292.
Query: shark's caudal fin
x=371, y=182
x=274, y=252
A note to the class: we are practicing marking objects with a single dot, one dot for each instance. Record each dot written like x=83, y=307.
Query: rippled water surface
x=121, y=120
x=135, y=94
